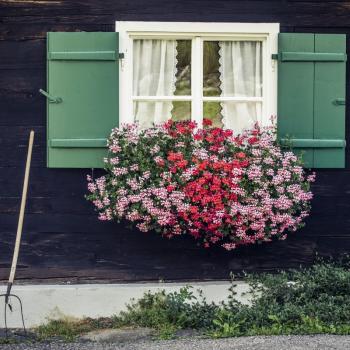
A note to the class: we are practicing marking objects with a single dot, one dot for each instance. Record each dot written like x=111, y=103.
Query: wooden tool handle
x=22, y=209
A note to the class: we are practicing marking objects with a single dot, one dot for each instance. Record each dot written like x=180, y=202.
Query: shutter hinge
x=274, y=58
x=51, y=99
x=121, y=57
x=339, y=102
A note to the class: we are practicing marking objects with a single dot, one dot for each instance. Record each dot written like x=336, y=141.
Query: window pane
x=183, y=68
x=212, y=111
x=232, y=115
x=240, y=115
x=211, y=66
x=181, y=110
x=161, y=67
x=149, y=113
x=232, y=68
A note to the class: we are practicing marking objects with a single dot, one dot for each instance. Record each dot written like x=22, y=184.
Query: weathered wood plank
x=22, y=109
x=287, y=12
x=146, y=262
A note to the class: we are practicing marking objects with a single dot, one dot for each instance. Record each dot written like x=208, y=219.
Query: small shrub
x=180, y=309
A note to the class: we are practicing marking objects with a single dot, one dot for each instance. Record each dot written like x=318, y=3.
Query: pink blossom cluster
x=209, y=183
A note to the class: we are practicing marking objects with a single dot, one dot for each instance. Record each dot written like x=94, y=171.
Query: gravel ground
x=319, y=342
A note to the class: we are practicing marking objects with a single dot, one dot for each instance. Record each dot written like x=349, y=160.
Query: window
x=187, y=70
x=220, y=71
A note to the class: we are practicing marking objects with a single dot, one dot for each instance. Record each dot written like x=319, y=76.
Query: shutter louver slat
x=80, y=56
x=312, y=57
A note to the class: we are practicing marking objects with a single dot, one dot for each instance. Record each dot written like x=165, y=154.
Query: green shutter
x=311, y=96
x=82, y=97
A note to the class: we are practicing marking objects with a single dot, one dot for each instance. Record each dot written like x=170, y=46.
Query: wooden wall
x=62, y=237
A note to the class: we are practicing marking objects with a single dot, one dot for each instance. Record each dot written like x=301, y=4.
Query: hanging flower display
x=217, y=187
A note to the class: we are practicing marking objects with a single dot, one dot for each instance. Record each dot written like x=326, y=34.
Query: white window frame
x=198, y=32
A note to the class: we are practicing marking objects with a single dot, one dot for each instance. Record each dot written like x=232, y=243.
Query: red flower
x=170, y=188
x=240, y=155
x=236, y=163
x=197, y=224
x=217, y=165
x=192, y=125
x=244, y=163
x=168, y=124
x=203, y=165
x=217, y=180
x=195, y=216
x=182, y=129
x=207, y=122
x=227, y=167
x=193, y=209
x=198, y=136
x=252, y=140
x=216, y=131
x=228, y=133
x=174, y=156
x=233, y=197
x=182, y=164
x=207, y=175
x=194, y=232
x=185, y=127
x=209, y=138
x=226, y=181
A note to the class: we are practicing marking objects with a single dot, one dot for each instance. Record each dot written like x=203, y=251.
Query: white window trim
x=197, y=31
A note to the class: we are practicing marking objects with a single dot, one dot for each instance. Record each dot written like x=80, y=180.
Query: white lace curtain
x=154, y=75
x=241, y=76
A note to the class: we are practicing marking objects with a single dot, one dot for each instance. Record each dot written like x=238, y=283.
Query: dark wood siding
x=62, y=237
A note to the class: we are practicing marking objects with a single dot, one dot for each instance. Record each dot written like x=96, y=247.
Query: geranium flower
x=207, y=122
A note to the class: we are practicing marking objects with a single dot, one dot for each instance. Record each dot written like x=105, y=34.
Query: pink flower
x=134, y=167
x=312, y=177
x=229, y=246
